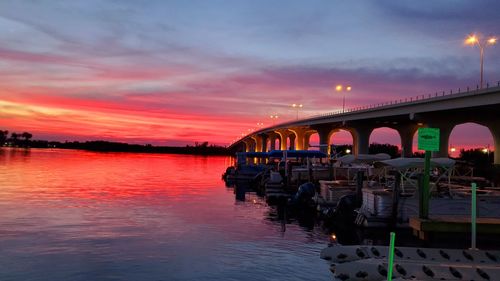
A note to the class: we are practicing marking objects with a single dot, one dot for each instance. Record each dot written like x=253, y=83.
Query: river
x=78, y=215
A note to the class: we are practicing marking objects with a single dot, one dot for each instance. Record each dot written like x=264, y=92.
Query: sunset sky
x=176, y=72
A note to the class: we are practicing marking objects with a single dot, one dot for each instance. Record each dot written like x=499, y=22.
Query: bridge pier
x=406, y=134
x=292, y=141
x=324, y=138
x=272, y=138
x=248, y=145
x=283, y=138
x=300, y=134
x=361, y=139
x=263, y=142
x=494, y=128
x=257, y=141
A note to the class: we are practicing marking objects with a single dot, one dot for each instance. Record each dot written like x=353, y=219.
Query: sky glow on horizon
x=179, y=72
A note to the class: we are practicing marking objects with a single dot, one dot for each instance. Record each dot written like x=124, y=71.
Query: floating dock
x=423, y=228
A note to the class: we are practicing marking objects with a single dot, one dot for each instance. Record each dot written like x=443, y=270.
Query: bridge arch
x=481, y=132
x=386, y=135
x=312, y=140
x=342, y=137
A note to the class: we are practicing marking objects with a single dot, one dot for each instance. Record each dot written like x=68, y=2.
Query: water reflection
x=76, y=215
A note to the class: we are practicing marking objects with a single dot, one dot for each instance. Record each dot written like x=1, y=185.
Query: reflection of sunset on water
x=57, y=175
x=140, y=217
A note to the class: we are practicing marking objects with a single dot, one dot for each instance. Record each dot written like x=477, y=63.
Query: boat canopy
x=363, y=158
x=252, y=154
x=297, y=154
x=407, y=163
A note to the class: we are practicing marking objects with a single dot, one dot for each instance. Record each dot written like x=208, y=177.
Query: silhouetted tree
x=390, y=149
x=26, y=136
x=14, y=137
x=482, y=163
x=3, y=137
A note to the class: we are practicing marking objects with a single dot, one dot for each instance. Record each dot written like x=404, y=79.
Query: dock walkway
x=422, y=228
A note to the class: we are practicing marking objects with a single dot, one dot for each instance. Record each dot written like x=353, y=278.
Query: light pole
x=340, y=88
x=475, y=40
x=274, y=117
x=297, y=107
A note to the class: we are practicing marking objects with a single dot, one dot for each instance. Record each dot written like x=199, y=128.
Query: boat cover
x=363, y=158
x=407, y=163
x=297, y=154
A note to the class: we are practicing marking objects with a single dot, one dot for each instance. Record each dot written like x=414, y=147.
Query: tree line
x=15, y=139
x=25, y=140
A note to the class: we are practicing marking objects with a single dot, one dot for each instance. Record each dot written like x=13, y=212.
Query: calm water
x=75, y=215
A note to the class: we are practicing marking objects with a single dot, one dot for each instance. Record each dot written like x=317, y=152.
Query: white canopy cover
x=406, y=163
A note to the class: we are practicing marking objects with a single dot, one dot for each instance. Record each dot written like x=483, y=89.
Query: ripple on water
x=77, y=215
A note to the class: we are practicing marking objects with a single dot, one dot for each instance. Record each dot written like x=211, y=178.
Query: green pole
x=391, y=256
x=425, y=191
x=473, y=217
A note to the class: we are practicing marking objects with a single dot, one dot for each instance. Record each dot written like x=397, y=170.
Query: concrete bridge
x=440, y=110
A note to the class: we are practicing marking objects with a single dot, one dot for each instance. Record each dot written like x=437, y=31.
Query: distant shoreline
x=105, y=146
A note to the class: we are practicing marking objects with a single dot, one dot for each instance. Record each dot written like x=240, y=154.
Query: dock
x=423, y=228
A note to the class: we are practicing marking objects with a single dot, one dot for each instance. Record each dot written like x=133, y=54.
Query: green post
x=425, y=191
x=390, y=264
x=428, y=140
x=473, y=217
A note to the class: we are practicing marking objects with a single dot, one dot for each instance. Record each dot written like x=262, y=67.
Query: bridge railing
x=407, y=100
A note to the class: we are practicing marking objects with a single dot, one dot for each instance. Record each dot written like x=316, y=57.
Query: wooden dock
x=422, y=228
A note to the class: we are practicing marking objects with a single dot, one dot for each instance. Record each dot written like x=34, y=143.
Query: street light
x=274, y=117
x=297, y=107
x=340, y=88
x=475, y=40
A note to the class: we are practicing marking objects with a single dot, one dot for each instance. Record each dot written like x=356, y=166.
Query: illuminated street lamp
x=274, y=117
x=340, y=88
x=260, y=124
x=452, y=149
x=297, y=107
x=475, y=40
x=348, y=151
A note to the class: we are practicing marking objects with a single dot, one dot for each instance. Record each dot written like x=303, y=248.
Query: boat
x=345, y=171
x=377, y=209
x=248, y=166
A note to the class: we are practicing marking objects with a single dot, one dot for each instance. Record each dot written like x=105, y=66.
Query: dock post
x=420, y=180
x=390, y=263
x=425, y=189
x=359, y=188
x=473, y=217
x=395, y=197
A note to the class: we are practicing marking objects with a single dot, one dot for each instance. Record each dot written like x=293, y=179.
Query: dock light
x=348, y=151
x=476, y=40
